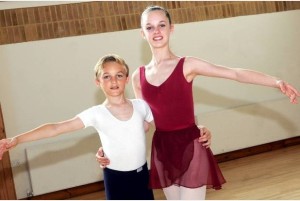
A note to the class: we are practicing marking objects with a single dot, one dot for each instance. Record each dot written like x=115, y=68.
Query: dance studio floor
x=272, y=175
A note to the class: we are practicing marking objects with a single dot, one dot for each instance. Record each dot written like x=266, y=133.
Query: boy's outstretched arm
x=41, y=132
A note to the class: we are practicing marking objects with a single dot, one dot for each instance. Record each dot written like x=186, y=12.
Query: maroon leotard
x=177, y=158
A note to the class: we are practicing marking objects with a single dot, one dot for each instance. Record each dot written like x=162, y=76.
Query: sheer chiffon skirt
x=178, y=158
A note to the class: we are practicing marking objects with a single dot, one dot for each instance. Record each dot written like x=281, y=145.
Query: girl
x=178, y=164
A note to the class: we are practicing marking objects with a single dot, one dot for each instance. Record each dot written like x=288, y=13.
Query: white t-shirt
x=124, y=142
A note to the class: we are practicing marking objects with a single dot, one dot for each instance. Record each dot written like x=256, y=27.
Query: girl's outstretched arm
x=194, y=66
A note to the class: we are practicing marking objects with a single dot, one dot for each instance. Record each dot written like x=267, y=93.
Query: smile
x=157, y=38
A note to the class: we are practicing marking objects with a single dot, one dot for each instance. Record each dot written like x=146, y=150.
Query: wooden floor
x=273, y=175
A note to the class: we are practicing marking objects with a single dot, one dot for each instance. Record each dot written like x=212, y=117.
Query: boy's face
x=113, y=79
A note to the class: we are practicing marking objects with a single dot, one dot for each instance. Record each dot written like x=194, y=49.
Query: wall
x=52, y=80
x=37, y=21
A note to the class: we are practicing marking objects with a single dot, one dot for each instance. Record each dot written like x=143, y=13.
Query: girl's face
x=156, y=28
x=113, y=79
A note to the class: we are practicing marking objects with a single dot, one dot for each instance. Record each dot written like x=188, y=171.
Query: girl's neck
x=160, y=55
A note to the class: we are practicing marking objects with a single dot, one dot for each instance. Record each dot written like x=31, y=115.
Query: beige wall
x=52, y=80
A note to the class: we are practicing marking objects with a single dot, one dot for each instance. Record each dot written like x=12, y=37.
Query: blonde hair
x=110, y=58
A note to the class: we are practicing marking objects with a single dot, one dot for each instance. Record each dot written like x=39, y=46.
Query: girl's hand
x=100, y=157
x=288, y=90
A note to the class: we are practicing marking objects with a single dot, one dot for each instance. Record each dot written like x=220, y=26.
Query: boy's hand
x=12, y=142
x=2, y=147
x=100, y=157
x=205, y=137
x=6, y=144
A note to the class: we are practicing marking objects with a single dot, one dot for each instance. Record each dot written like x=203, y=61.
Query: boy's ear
x=97, y=82
x=127, y=79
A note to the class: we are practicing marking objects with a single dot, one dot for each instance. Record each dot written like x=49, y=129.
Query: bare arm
x=195, y=66
x=41, y=132
x=136, y=84
x=138, y=93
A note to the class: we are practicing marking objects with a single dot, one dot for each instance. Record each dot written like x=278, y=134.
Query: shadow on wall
x=213, y=99
x=99, y=96
x=146, y=53
x=6, y=89
x=50, y=154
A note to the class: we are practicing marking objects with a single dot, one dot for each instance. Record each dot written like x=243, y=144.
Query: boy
x=119, y=122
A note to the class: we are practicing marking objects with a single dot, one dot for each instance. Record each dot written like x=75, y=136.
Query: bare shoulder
x=136, y=83
x=194, y=60
x=136, y=79
x=192, y=63
x=194, y=66
x=136, y=74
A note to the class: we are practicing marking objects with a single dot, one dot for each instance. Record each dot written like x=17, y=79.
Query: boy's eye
x=106, y=77
x=162, y=25
x=120, y=76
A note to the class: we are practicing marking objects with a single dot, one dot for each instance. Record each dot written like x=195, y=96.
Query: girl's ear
x=172, y=28
x=142, y=33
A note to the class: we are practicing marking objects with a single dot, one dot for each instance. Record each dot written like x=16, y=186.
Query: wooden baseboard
x=257, y=149
x=71, y=192
x=99, y=186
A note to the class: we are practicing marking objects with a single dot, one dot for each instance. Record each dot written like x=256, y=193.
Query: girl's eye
x=148, y=28
x=162, y=25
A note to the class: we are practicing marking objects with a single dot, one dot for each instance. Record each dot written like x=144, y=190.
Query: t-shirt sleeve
x=87, y=117
x=148, y=113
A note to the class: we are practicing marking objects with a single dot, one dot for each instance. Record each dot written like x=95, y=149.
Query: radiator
x=64, y=164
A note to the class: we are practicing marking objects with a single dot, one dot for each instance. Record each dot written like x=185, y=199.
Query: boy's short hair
x=110, y=58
